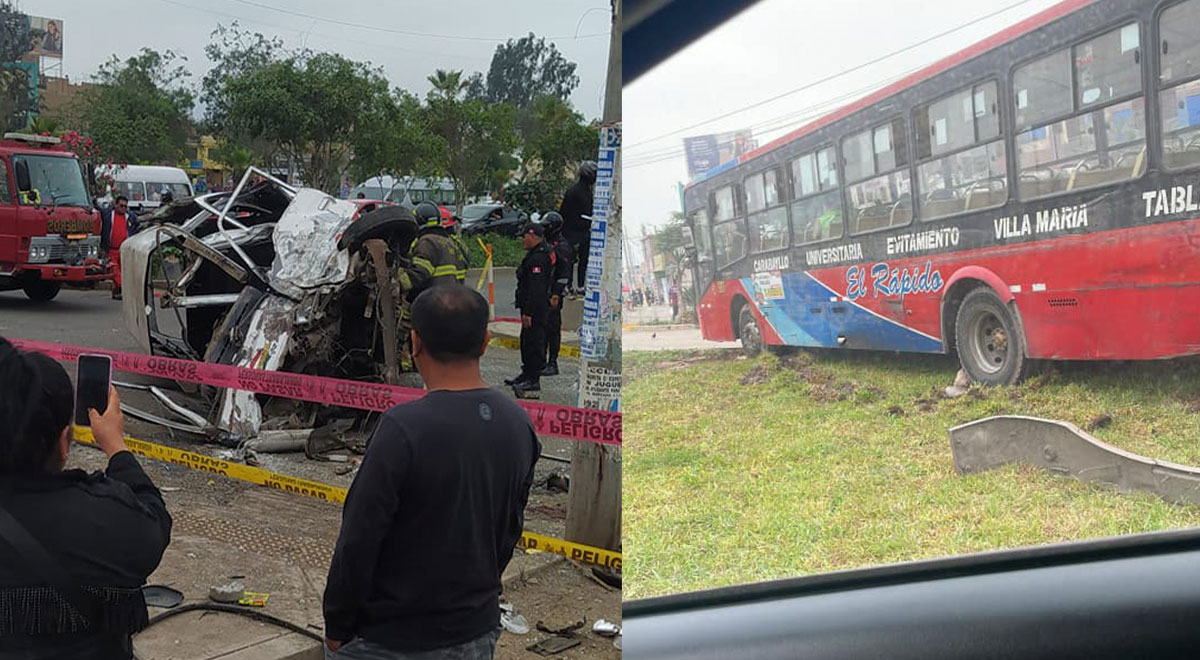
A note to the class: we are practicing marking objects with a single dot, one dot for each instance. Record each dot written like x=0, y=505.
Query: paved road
x=649, y=338
x=92, y=318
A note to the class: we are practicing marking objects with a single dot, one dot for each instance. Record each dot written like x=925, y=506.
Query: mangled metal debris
x=1066, y=450
x=269, y=277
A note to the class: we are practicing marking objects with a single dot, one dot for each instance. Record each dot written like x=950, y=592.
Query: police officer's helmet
x=427, y=214
x=553, y=223
x=587, y=171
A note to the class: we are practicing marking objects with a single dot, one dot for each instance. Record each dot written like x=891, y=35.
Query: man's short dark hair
x=451, y=320
x=121, y=198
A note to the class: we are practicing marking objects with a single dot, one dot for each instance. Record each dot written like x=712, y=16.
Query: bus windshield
x=58, y=181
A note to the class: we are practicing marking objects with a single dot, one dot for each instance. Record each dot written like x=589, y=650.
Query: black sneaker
x=514, y=380
x=550, y=370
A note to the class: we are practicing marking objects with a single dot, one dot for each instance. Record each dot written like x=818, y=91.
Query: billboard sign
x=707, y=152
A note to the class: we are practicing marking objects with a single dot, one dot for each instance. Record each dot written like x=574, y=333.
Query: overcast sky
x=771, y=48
x=93, y=31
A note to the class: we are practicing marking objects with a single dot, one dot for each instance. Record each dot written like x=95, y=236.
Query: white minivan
x=144, y=185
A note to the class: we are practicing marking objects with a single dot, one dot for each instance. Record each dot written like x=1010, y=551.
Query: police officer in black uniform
x=562, y=256
x=533, y=299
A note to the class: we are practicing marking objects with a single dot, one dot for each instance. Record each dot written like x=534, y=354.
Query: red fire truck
x=49, y=229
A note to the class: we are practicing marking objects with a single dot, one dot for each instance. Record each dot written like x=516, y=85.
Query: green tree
x=309, y=105
x=556, y=139
x=393, y=138
x=140, y=109
x=475, y=140
x=236, y=53
x=523, y=70
x=17, y=98
x=237, y=158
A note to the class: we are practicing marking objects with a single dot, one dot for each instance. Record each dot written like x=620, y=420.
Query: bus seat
x=982, y=199
x=936, y=208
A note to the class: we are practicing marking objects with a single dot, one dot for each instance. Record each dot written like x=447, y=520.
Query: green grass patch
x=743, y=470
x=507, y=251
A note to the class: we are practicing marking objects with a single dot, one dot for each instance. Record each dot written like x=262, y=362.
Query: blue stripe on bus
x=794, y=321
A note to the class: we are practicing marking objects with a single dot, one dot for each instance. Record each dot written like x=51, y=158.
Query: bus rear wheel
x=41, y=290
x=990, y=346
x=752, y=343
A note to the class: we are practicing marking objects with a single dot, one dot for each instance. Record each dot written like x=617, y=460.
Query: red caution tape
x=548, y=419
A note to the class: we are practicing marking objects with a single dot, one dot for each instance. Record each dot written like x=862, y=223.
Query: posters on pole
x=601, y=389
x=593, y=334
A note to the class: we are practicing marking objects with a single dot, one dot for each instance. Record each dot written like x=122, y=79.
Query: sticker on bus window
x=1022, y=99
x=769, y=285
x=1091, y=95
x=980, y=103
x=1129, y=38
x=939, y=131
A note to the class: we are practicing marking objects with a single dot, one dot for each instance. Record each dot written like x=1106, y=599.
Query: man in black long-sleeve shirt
x=438, y=506
x=576, y=203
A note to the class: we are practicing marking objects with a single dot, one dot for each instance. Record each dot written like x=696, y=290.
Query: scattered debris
x=252, y=599
x=1100, y=421
x=895, y=411
x=161, y=596
x=558, y=483
x=513, y=622
x=554, y=645
x=606, y=628
x=961, y=383
x=568, y=630
x=170, y=489
x=227, y=593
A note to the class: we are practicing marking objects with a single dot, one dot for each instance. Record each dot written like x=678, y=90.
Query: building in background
x=206, y=172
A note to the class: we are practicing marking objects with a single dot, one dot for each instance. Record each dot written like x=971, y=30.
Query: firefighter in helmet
x=436, y=257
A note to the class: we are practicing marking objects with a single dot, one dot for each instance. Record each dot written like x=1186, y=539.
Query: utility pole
x=594, y=503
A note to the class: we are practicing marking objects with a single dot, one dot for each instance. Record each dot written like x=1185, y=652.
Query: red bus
x=1034, y=196
x=49, y=230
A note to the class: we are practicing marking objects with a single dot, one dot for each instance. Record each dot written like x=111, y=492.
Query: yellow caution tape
x=327, y=493
x=576, y=551
x=487, y=264
x=515, y=344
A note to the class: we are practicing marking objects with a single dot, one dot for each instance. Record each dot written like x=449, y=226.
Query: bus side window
x=1179, y=100
x=961, y=158
x=817, y=209
x=885, y=199
x=1104, y=141
x=5, y=188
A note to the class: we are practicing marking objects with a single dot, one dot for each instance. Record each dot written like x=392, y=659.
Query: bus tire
x=749, y=332
x=990, y=345
x=41, y=290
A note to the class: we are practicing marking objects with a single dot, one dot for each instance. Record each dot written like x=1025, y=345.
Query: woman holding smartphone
x=75, y=548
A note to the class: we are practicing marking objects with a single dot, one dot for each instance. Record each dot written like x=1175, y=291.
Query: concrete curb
x=635, y=327
x=565, y=350
x=526, y=573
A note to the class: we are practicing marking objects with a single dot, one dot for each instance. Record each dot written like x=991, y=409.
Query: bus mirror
x=23, y=184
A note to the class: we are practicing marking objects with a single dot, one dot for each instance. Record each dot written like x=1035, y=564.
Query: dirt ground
x=271, y=540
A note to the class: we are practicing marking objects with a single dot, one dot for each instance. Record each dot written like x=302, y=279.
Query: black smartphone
x=93, y=377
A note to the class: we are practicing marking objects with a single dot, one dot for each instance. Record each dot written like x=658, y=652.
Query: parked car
x=492, y=218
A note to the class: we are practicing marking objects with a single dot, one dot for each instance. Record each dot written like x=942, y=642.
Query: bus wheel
x=990, y=346
x=41, y=290
x=752, y=343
